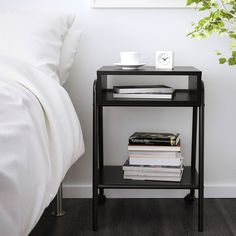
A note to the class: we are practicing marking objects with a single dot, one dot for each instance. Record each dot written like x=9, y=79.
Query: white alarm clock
x=164, y=60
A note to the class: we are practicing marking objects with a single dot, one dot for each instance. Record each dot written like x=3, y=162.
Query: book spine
x=152, y=173
x=155, y=161
x=136, y=148
x=171, y=179
x=162, y=91
x=162, y=142
x=160, y=170
x=153, y=156
x=142, y=95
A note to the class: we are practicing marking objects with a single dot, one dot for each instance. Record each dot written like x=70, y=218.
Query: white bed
x=40, y=134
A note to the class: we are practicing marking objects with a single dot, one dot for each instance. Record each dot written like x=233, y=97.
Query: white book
x=143, y=89
x=132, y=147
x=156, y=161
x=157, y=178
x=152, y=173
x=159, y=169
x=143, y=95
x=154, y=154
x=153, y=168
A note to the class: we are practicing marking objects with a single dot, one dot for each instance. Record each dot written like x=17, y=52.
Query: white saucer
x=130, y=67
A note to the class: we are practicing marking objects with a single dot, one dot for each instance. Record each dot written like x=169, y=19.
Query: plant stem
x=224, y=8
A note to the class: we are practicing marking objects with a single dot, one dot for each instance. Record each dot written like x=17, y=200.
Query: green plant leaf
x=232, y=61
x=232, y=35
x=234, y=54
x=189, y=2
x=222, y=60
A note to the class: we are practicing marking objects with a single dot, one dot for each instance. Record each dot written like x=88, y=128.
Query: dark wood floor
x=140, y=217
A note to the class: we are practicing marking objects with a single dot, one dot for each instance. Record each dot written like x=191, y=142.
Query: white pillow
x=69, y=49
x=35, y=38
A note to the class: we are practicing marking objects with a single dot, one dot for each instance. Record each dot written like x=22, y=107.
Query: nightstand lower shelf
x=113, y=179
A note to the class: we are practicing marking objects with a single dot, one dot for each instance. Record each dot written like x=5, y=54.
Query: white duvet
x=40, y=138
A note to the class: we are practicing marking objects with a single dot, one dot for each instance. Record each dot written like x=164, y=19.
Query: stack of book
x=154, y=156
x=143, y=91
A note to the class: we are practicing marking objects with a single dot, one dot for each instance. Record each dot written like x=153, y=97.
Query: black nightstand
x=111, y=177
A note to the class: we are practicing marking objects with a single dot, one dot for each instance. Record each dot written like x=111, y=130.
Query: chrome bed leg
x=58, y=209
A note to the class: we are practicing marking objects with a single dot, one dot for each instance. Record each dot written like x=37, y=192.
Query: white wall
x=109, y=31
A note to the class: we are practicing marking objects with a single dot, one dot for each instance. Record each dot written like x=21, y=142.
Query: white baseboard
x=211, y=191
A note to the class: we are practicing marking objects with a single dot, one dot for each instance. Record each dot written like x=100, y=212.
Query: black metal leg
x=190, y=198
x=100, y=143
x=101, y=197
x=100, y=137
x=193, y=151
x=194, y=139
x=192, y=192
x=201, y=164
x=95, y=164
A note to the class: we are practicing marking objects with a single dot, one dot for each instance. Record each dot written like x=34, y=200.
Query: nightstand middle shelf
x=181, y=98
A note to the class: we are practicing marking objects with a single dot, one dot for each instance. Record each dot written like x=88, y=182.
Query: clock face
x=164, y=59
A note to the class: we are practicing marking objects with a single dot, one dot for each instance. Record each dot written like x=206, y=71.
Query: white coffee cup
x=130, y=58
